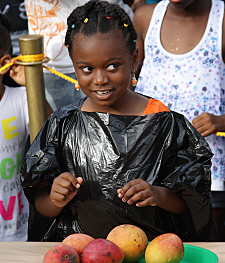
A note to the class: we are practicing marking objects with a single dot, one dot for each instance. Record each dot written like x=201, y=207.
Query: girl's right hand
x=17, y=74
x=64, y=188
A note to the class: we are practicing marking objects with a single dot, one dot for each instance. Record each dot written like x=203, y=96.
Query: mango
x=61, y=253
x=102, y=251
x=165, y=248
x=131, y=239
x=78, y=242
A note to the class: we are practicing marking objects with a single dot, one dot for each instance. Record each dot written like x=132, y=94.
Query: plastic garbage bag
x=108, y=151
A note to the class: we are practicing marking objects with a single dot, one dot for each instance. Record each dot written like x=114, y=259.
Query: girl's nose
x=100, y=78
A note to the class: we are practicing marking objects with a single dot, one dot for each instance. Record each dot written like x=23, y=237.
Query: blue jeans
x=60, y=92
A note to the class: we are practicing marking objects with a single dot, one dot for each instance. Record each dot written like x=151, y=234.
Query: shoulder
x=126, y=7
x=18, y=93
x=142, y=17
x=155, y=106
x=65, y=113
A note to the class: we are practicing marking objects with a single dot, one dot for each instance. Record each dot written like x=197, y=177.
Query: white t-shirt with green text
x=14, y=131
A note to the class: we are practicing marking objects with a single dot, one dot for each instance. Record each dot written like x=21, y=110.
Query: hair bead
x=99, y=11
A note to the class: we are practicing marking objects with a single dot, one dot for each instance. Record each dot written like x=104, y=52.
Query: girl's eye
x=87, y=69
x=112, y=66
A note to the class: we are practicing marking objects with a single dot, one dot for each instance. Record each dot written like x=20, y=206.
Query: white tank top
x=190, y=83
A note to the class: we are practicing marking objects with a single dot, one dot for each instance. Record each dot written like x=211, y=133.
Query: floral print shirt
x=190, y=83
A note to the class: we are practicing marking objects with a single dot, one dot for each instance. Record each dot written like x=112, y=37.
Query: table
x=33, y=252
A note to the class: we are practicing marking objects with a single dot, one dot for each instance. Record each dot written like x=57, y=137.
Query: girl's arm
x=50, y=200
x=160, y=196
x=142, y=17
x=207, y=124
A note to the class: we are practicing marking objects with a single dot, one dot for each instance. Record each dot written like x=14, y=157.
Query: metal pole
x=33, y=45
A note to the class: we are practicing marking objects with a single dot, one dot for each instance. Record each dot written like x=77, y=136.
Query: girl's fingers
x=122, y=191
x=142, y=195
x=135, y=190
x=66, y=191
x=76, y=182
x=146, y=202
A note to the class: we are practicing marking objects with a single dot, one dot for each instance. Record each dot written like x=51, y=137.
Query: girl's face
x=103, y=66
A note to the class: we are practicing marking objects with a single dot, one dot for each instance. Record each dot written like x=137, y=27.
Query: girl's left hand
x=207, y=124
x=137, y=190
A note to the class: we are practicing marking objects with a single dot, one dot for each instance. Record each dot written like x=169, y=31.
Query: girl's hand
x=137, y=190
x=17, y=74
x=207, y=124
x=64, y=188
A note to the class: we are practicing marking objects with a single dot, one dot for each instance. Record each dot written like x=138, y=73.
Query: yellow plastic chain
x=38, y=57
x=24, y=58
x=61, y=75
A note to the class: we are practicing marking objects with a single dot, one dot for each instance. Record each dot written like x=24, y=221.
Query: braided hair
x=5, y=40
x=100, y=17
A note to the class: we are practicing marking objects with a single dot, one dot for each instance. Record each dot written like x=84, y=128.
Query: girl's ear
x=3, y=61
x=135, y=60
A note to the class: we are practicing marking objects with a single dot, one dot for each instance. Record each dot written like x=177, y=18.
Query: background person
x=185, y=70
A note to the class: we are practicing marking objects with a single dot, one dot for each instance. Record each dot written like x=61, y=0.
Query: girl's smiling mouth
x=103, y=94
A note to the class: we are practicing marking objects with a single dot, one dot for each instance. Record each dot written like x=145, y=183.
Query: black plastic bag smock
x=108, y=151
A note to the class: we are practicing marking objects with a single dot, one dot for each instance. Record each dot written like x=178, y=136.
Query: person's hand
x=137, y=190
x=207, y=124
x=64, y=188
x=17, y=74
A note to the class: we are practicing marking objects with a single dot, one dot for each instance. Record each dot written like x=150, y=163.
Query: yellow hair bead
x=85, y=20
x=125, y=25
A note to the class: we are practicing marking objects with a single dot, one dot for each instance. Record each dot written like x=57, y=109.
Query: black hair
x=5, y=40
x=100, y=17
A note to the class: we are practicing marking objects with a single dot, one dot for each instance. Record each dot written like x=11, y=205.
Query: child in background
x=14, y=135
x=14, y=132
x=185, y=70
x=115, y=157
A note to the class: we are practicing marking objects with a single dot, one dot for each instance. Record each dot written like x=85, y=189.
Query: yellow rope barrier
x=24, y=58
x=61, y=75
x=39, y=57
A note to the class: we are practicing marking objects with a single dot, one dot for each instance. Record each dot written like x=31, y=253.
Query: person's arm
x=207, y=124
x=141, y=21
x=223, y=39
x=50, y=200
x=160, y=196
x=137, y=3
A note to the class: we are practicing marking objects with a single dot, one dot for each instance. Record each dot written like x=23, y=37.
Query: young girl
x=14, y=132
x=185, y=70
x=115, y=157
